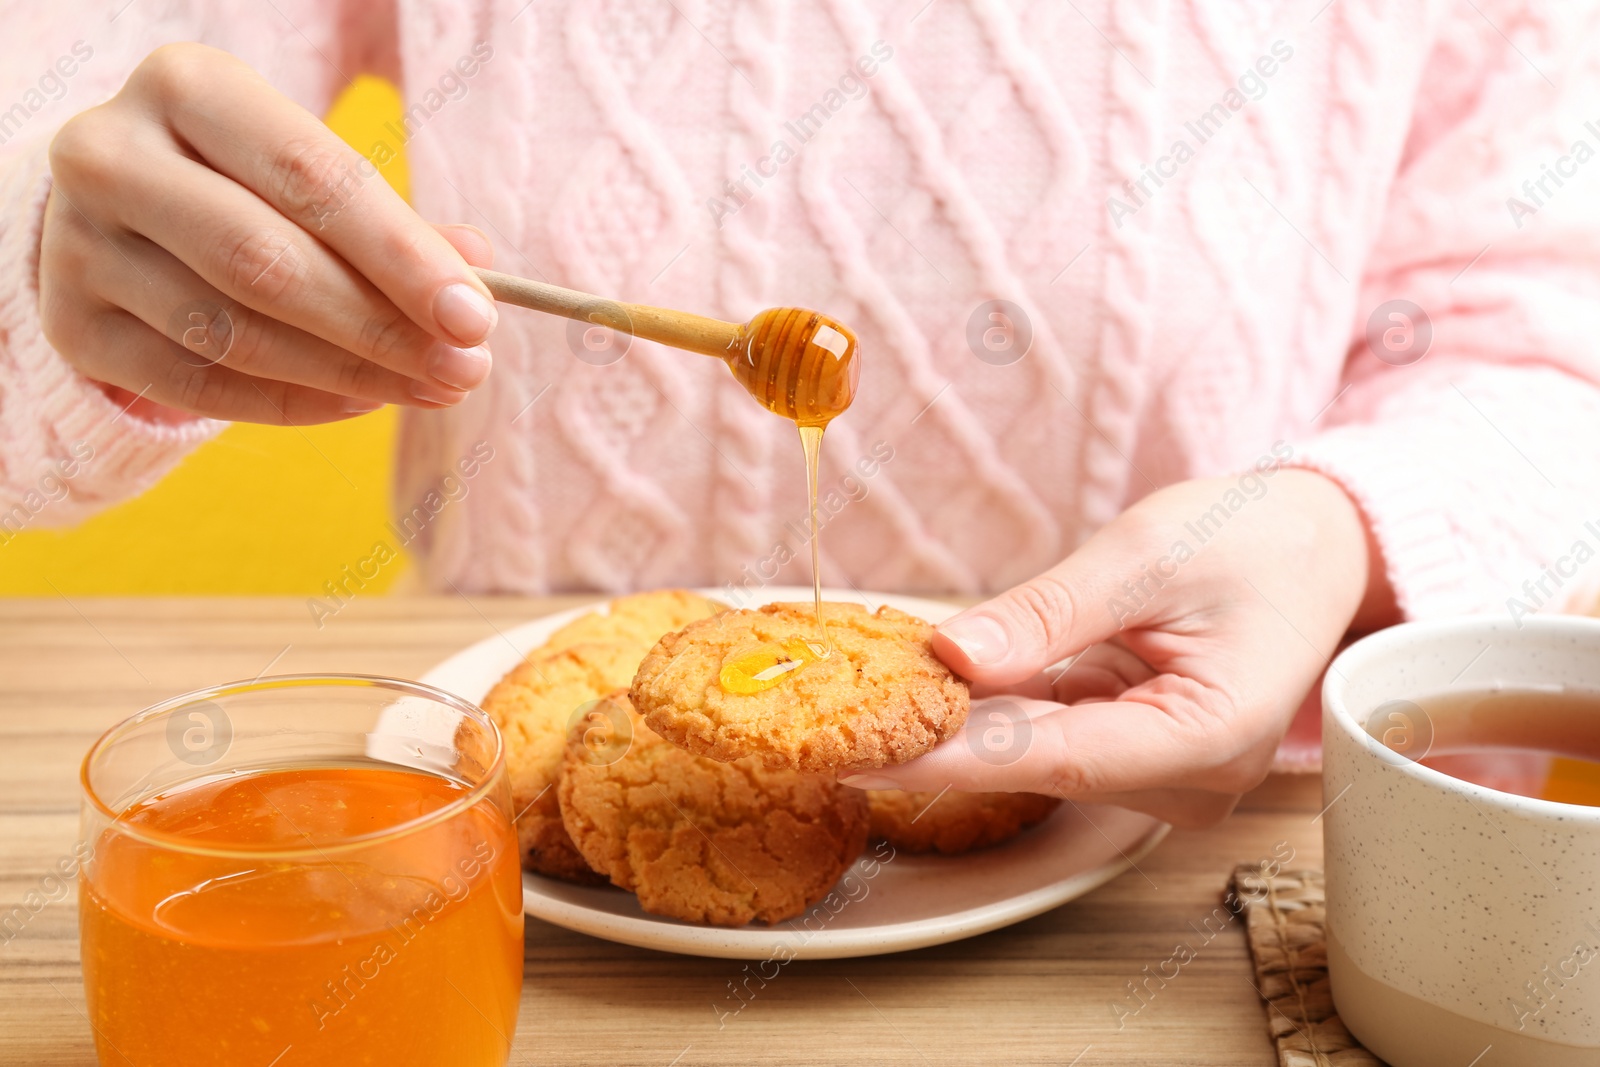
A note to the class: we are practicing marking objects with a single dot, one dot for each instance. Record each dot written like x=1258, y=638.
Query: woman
x=1201, y=334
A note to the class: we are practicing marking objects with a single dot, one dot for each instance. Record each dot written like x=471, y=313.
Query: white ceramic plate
x=887, y=902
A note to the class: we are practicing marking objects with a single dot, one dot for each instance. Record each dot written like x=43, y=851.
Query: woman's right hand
x=209, y=246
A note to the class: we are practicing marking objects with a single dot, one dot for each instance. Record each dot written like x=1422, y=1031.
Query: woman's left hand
x=1204, y=613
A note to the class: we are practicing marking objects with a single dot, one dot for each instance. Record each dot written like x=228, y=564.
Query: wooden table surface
x=1041, y=992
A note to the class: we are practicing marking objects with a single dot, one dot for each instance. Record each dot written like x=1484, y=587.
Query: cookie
x=638, y=620
x=880, y=697
x=533, y=706
x=702, y=841
x=954, y=822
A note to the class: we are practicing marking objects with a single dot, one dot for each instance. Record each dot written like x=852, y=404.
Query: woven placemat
x=1284, y=915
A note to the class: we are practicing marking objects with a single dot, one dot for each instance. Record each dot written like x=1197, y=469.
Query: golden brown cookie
x=880, y=697
x=954, y=822
x=637, y=620
x=533, y=706
x=698, y=840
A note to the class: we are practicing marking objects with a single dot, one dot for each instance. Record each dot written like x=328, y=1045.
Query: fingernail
x=477, y=235
x=869, y=781
x=980, y=638
x=466, y=314
x=435, y=393
x=461, y=368
x=352, y=406
x=465, y=226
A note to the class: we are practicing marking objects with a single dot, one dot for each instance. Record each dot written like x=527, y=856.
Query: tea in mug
x=1535, y=742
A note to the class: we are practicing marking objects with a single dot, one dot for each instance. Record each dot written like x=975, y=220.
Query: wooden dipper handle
x=680, y=329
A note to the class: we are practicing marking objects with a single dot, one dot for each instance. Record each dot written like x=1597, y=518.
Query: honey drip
x=811, y=444
x=805, y=367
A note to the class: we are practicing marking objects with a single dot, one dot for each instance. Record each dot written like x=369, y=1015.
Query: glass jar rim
x=403, y=686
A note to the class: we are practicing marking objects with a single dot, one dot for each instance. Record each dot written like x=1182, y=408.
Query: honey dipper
x=797, y=363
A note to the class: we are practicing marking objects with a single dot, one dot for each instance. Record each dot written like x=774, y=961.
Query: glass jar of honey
x=301, y=870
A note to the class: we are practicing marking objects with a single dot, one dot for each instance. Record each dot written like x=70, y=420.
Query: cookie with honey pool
x=637, y=620
x=706, y=842
x=755, y=683
x=533, y=706
x=952, y=822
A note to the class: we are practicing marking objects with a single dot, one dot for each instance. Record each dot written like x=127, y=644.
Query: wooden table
x=1041, y=992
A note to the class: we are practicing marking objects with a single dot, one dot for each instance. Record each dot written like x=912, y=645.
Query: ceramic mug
x=1463, y=923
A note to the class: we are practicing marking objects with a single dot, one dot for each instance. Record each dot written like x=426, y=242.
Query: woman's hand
x=209, y=246
x=1204, y=614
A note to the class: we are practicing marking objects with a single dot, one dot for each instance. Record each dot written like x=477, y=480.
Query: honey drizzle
x=772, y=365
x=811, y=444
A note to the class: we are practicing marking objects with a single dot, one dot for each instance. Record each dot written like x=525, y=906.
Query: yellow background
x=261, y=509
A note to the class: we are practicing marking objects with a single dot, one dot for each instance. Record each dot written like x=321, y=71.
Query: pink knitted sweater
x=1195, y=211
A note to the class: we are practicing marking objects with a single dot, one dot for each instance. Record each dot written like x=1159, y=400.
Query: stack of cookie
x=700, y=840
x=630, y=763
x=552, y=690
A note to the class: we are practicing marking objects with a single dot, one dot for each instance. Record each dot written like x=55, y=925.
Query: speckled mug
x=1463, y=923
